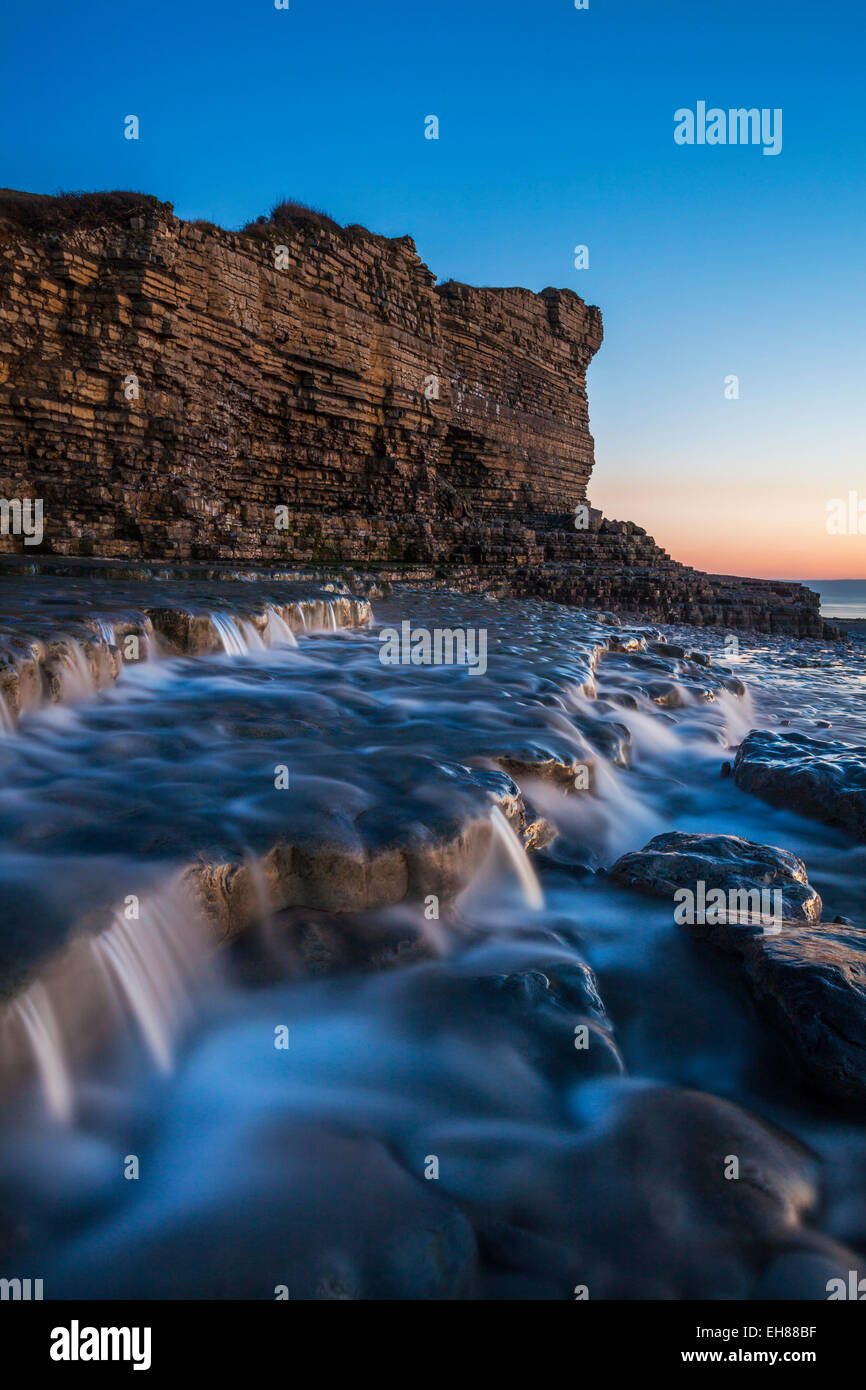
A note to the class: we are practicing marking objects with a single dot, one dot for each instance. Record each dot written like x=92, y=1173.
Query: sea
x=840, y=598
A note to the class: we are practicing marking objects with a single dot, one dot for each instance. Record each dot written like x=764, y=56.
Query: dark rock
x=812, y=982
x=820, y=778
x=809, y=977
x=666, y=694
x=678, y=860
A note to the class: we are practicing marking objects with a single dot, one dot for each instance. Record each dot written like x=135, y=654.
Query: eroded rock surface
x=819, y=777
x=679, y=860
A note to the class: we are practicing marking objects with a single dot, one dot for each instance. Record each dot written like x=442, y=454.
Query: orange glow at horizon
x=768, y=532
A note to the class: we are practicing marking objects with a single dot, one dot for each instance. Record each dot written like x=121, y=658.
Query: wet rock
x=820, y=778
x=715, y=1196
x=538, y=762
x=735, y=686
x=608, y=736
x=811, y=981
x=808, y=977
x=191, y=633
x=700, y=692
x=666, y=694
x=739, y=868
x=539, y=835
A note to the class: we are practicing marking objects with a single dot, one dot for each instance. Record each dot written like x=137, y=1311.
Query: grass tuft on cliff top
x=289, y=213
x=45, y=212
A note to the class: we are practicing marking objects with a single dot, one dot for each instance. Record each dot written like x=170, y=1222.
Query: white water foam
x=140, y=971
x=37, y=1020
x=517, y=856
x=229, y=634
x=278, y=631
x=75, y=674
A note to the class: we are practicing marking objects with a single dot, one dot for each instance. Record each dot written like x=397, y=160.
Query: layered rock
x=167, y=387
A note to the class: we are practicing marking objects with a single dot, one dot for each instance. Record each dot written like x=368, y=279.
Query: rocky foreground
x=570, y=1008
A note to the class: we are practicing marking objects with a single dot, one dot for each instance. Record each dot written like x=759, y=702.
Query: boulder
x=818, y=777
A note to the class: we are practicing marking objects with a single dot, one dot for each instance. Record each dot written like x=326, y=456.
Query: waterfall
x=75, y=674
x=7, y=723
x=302, y=615
x=150, y=962
x=36, y=1017
x=106, y=631
x=250, y=635
x=278, y=631
x=142, y=971
x=229, y=635
x=530, y=886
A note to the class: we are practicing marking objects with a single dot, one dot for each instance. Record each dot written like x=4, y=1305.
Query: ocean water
x=841, y=598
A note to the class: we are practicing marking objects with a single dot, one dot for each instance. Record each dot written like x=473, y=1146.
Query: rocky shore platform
x=458, y=894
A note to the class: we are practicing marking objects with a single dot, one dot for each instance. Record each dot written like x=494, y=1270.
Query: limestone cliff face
x=166, y=387
x=389, y=417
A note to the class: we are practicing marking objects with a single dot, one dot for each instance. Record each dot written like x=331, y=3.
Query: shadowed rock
x=812, y=981
x=808, y=976
x=821, y=778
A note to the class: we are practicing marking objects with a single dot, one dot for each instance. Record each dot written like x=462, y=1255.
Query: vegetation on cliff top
x=74, y=210
x=65, y=211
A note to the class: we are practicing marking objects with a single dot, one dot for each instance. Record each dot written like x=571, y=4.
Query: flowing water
x=290, y=1005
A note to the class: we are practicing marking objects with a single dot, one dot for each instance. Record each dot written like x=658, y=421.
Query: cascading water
x=250, y=635
x=278, y=630
x=229, y=634
x=557, y=1043
x=75, y=674
x=504, y=835
x=7, y=723
x=142, y=970
x=32, y=1012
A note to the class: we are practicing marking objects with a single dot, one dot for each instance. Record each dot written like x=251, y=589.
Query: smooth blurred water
x=410, y=1036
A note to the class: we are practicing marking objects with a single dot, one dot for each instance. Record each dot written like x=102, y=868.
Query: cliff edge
x=300, y=393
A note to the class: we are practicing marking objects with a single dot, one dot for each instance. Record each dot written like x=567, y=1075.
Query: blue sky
x=556, y=128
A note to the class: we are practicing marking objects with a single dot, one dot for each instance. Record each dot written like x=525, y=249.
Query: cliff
x=304, y=394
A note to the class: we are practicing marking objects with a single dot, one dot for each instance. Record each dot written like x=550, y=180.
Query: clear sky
x=556, y=129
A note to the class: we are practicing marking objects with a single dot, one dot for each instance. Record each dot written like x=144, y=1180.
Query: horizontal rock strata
x=166, y=386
